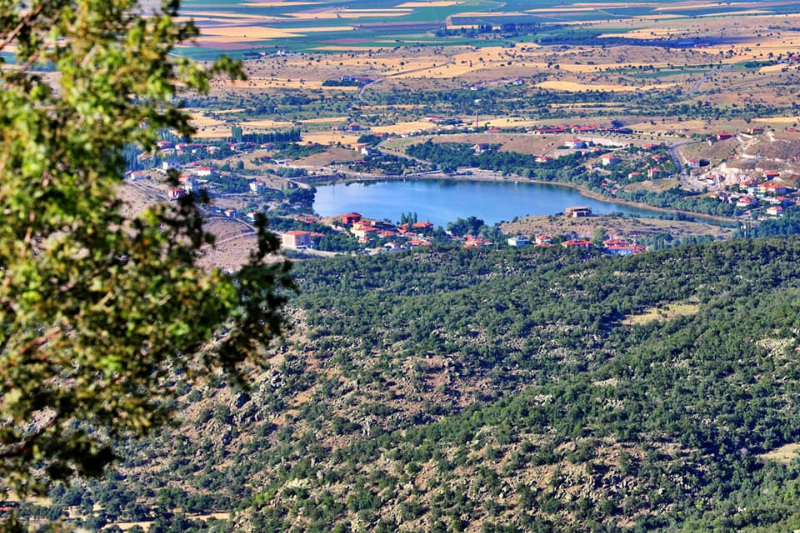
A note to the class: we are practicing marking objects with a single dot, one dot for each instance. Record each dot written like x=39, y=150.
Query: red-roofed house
x=693, y=163
x=365, y=233
x=350, y=218
x=724, y=136
x=577, y=243
x=575, y=143
x=772, y=188
x=746, y=201
x=625, y=249
x=424, y=226
x=476, y=242
x=296, y=240
x=609, y=160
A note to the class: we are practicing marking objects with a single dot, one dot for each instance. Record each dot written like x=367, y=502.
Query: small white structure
x=575, y=144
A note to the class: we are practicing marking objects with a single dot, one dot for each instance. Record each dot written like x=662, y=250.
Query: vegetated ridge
x=517, y=390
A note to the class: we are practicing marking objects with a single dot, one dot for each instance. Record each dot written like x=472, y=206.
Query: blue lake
x=441, y=202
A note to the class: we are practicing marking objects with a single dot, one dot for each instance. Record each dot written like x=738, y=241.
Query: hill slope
x=530, y=390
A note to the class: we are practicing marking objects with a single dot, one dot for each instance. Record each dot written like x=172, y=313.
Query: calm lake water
x=441, y=202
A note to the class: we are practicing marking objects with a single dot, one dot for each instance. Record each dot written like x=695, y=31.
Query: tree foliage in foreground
x=96, y=308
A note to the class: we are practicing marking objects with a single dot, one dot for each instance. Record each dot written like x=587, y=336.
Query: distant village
x=756, y=193
x=411, y=235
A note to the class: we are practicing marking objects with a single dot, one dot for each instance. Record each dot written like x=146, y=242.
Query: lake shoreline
x=478, y=175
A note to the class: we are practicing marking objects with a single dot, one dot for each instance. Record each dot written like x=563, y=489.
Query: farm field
x=330, y=25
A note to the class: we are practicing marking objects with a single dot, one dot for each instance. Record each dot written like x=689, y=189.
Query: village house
x=518, y=241
x=585, y=129
x=693, y=163
x=625, y=249
x=772, y=188
x=476, y=242
x=749, y=186
x=296, y=240
x=257, y=186
x=550, y=130
x=651, y=146
x=480, y=148
x=363, y=80
x=654, y=173
x=365, y=233
x=724, y=136
x=575, y=144
x=577, y=243
x=633, y=175
x=609, y=160
x=204, y=172
x=775, y=211
x=350, y=218
x=422, y=226
x=543, y=240
x=169, y=165
x=577, y=212
x=746, y=201
x=755, y=130
x=231, y=213
x=543, y=159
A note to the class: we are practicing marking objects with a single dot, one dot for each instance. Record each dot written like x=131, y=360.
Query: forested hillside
x=520, y=390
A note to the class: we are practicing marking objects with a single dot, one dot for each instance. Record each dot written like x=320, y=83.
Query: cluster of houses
x=188, y=181
x=765, y=193
x=611, y=246
x=367, y=231
x=170, y=149
x=577, y=129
